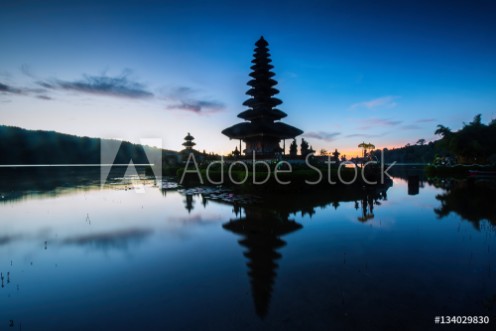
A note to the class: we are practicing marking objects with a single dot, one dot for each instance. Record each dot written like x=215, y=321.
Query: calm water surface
x=74, y=256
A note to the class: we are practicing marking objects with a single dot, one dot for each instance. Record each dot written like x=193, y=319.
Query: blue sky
x=386, y=72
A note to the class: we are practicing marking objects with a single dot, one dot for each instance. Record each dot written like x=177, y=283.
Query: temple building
x=262, y=130
x=188, y=142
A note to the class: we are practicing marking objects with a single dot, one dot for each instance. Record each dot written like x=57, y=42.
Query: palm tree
x=443, y=130
x=365, y=147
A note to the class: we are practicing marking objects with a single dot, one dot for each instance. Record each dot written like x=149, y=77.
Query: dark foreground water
x=74, y=256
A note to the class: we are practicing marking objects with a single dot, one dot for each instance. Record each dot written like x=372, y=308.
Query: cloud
x=27, y=70
x=5, y=74
x=411, y=127
x=199, y=106
x=10, y=89
x=383, y=102
x=322, y=135
x=119, y=86
x=44, y=97
x=118, y=239
x=364, y=135
x=372, y=123
x=46, y=85
x=186, y=98
x=426, y=120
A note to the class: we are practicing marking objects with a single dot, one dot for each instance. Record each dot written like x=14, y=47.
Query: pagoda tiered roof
x=262, y=112
x=259, y=129
x=189, y=141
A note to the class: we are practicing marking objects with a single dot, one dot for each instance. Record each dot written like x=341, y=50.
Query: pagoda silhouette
x=188, y=142
x=262, y=230
x=261, y=133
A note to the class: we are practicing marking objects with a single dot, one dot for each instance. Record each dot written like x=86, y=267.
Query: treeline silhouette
x=21, y=146
x=418, y=153
x=474, y=143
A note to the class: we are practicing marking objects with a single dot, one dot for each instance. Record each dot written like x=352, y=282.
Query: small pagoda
x=188, y=142
x=262, y=131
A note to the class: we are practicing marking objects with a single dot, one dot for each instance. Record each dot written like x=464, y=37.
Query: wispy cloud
x=378, y=122
x=28, y=71
x=9, y=89
x=322, y=135
x=4, y=88
x=186, y=98
x=118, y=86
x=199, y=106
x=426, y=120
x=411, y=127
x=365, y=135
x=46, y=84
x=382, y=102
x=44, y=97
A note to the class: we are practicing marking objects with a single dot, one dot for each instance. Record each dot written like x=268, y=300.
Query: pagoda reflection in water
x=262, y=229
x=263, y=224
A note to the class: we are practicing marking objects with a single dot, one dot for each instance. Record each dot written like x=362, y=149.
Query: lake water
x=75, y=256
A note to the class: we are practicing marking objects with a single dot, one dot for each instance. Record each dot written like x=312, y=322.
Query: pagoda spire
x=262, y=91
x=262, y=134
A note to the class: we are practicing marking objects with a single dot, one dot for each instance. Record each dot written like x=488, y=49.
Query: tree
x=474, y=143
x=323, y=152
x=293, y=149
x=304, y=148
x=366, y=146
x=442, y=130
x=335, y=156
x=421, y=142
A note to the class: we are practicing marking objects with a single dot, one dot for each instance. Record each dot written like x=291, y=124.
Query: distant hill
x=21, y=146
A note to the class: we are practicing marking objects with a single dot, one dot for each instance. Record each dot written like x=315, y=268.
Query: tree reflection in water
x=479, y=207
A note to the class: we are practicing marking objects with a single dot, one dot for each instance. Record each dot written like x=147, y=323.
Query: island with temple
x=259, y=161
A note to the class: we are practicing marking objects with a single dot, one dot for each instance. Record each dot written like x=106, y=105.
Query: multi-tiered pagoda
x=188, y=142
x=262, y=131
